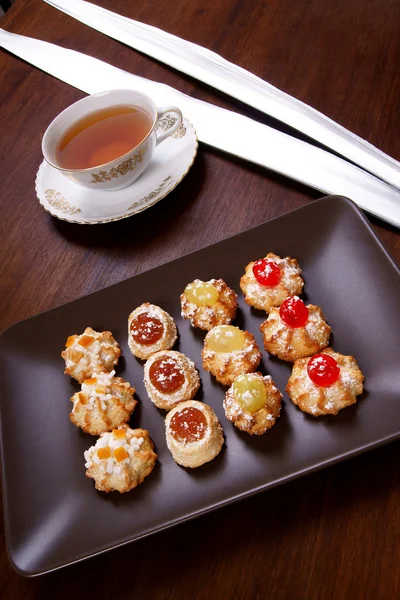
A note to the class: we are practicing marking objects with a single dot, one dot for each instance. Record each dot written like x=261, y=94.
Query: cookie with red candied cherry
x=253, y=403
x=193, y=433
x=90, y=352
x=208, y=303
x=268, y=281
x=229, y=352
x=325, y=383
x=170, y=377
x=150, y=329
x=295, y=330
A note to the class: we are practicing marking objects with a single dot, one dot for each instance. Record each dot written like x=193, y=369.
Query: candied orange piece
x=120, y=454
x=76, y=355
x=70, y=340
x=119, y=434
x=104, y=453
x=100, y=388
x=82, y=398
x=86, y=340
x=90, y=381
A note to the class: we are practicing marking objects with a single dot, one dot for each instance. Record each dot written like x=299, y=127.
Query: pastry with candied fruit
x=295, y=330
x=268, y=281
x=104, y=403
x=170, y=377
x=150, y=329
x=253, y=403
x=325, y=383
x=229, y=352
x=208, y=303
x=91, y=352
x=120, y=460
x=194, y=434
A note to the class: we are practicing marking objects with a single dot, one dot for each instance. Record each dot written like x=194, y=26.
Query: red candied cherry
x=323, y=370
x=293, y=312
x=267, y=272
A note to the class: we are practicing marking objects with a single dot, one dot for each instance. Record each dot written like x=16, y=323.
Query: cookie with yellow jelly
x=229, y=352
x=268, y=281
x=170, y=377
x=193, y=433
x=253, y=403
x=105, y=402
x=325, y=383
x=120, y=460
x=90, y=352
x=150, y=329
x=208, y=303
x=295, y=330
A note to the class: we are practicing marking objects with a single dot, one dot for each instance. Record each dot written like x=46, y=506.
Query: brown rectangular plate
x=53, y=514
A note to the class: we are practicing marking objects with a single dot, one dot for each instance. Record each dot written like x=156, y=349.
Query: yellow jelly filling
x=120, y=454
x=226, y=338
x=249, y=392
x=104, y=453
x=202, y=293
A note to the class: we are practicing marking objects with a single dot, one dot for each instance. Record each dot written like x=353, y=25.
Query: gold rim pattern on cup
x=121, y=169
x=56, y=199
x=133, y=212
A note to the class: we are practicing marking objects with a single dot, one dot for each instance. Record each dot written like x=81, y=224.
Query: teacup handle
x=168, y=126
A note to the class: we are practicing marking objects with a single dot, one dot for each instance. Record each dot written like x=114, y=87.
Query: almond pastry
x=193, y=433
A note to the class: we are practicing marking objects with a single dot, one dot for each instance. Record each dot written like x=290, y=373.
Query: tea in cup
x=106, y=140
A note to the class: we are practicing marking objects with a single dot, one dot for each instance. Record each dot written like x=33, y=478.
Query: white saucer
x=70, y=202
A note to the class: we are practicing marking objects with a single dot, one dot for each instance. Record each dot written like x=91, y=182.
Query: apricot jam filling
x=166, y=374
x=188, y=425
x=146, y=329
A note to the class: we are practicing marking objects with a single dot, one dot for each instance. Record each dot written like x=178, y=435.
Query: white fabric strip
x=220, y=128
x=211, y=68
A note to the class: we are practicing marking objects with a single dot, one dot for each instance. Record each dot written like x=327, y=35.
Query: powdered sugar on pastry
x=253, y=403
x=121, y=459
x=170, y=377
x=150, y=330
x=104, y=403
x=228, y=352
x=264, y=297
x=91, y=352
x=318, y=400
x=208, y=303
x=288, y=343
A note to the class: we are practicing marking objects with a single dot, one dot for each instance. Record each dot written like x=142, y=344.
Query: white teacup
x=124, y=170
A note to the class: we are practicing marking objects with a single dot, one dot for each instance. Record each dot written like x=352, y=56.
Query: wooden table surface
x=336, y=533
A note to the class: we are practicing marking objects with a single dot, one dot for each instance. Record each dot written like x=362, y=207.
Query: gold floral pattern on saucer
x=57, y=200
x=68, y=201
